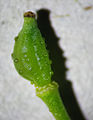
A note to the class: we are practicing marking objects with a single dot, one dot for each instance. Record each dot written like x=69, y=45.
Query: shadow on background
x=58, y=65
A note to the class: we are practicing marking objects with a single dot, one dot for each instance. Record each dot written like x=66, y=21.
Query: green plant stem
x=50, y=95
x=32, y=62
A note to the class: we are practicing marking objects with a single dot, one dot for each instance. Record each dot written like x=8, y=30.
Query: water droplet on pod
x=55, y=114
x=42, y=42
x=38, y=58
x=36, y=55
x=16, y=60
x=35, y=47
x=20, y=71
x=40, y=67
x=37, y=78
x=43, y=75
x=25, y=55
x=24, y=49
x=30, y=68
x=51, y=73
x=27, y=59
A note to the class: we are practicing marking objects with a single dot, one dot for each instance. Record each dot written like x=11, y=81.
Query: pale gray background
x=17, y=96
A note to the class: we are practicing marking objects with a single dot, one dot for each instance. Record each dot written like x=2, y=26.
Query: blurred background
x=67, y=27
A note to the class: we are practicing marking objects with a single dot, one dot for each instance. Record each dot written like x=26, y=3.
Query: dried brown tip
x=29, y=14
x=88, y=7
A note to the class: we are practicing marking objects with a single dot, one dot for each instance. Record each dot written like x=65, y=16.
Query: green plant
x=32, y=62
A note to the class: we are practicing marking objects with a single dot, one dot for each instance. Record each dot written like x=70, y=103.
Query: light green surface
x=32, y=62
x=76, y=39
x=30, y=56
x=51, y=97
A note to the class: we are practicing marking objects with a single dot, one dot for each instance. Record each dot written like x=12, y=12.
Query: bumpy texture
x=50, y=95
x=30, y=56
x=31, y=60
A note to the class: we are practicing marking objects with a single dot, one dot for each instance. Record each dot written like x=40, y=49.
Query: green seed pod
x=30, y=56
x=31, y=60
